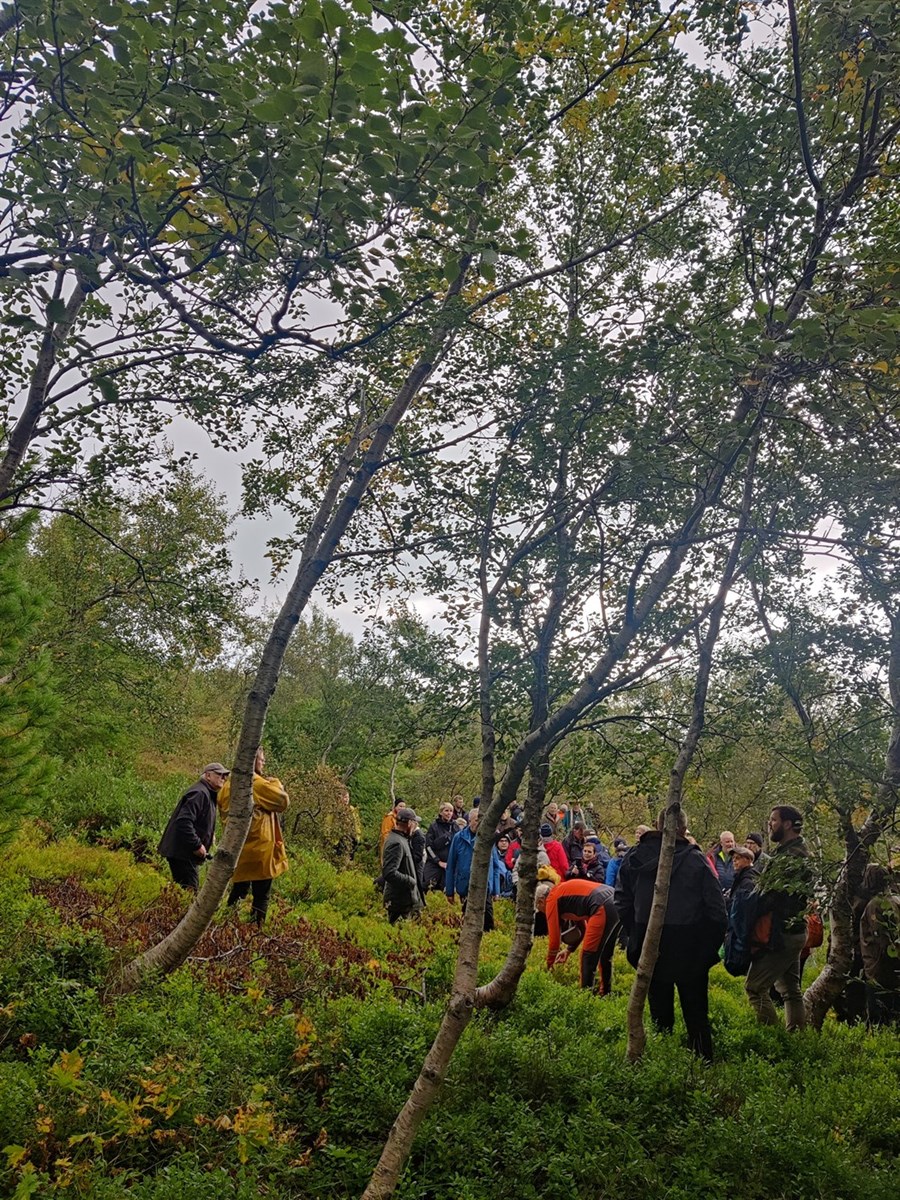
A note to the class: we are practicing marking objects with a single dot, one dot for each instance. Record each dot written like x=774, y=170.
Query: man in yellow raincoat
x=263, y=857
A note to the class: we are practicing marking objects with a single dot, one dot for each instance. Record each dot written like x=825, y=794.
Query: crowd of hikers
x=753, y=909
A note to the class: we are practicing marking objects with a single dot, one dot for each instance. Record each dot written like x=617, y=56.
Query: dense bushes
x=274, y=1064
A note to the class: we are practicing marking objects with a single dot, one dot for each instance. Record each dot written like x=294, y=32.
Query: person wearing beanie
x=756, y=841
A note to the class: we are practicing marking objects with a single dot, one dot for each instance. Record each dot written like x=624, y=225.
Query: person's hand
x=200, y=852
x=561, y=957
x=443, y=866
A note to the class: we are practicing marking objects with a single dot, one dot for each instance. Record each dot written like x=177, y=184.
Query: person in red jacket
x=589, y=908
x=559, y=860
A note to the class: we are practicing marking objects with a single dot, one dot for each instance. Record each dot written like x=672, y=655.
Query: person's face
x=405, y=827
x=503, y=845
x=445, y=812
x=752, y=847
x=579, y=835
x=542, y=904
x=776, y=826
x=552, y=813
x=260, y=762
x=726, y=840
x=741, y=862
x=590, y=852
x=215, y=779
x=473, y=821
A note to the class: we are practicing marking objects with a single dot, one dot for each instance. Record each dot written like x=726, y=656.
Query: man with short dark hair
x=189, y=833
x=401, y=891
x=785, y=890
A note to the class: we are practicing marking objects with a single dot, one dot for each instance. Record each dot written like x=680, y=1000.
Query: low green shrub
x=274, y=1064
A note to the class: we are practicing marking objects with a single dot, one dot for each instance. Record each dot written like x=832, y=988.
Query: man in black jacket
x=692, y=934
x=437, y=847
x=189, y=833
x=402, y=895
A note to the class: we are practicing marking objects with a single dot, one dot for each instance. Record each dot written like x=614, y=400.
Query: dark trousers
x=261, y=889
x=398, y=912
x=693, y=993
x=488, y=912
x=185, y=872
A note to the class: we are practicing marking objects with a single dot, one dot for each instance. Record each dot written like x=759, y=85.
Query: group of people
x=755, y=909
x=738, y=900
x=188, y=837
x=698, y=919
x=414, y=862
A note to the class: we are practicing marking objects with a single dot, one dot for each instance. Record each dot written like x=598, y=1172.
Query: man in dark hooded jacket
x=694, y=927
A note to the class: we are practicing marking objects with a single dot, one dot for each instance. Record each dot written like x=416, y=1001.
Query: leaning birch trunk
x=329, y=525
x=827, y=986
x=456, y=1017
x=502, y=988
x=637, y=1034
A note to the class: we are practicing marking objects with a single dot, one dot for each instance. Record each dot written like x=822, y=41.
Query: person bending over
x=588, y=908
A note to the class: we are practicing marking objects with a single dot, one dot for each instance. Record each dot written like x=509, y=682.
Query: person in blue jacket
x=500, y=880
x=612, y=867
x=459, y=868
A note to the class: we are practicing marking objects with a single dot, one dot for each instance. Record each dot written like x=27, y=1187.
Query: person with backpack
x=785, y=890
x=559, y=860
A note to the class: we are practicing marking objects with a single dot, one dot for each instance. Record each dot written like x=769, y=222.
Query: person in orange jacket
x=263, y=857
x=589, y=908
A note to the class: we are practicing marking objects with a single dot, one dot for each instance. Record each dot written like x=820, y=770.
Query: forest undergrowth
x=274, y=1062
